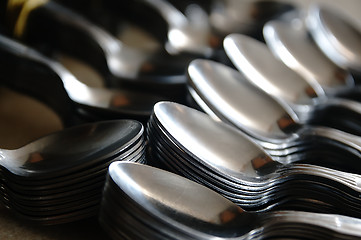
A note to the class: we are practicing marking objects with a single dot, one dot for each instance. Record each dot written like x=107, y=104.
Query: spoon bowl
x=308, y=99
x=336, y=35
x=292, y=44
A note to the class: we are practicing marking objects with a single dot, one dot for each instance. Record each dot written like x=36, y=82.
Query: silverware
x=190, y=143
x=28, y=70
x=291, y=43
x=336, y=35
x=182, y=209
x=307, y=99
x=59, y=178
x=51, y=27
x=227, y=95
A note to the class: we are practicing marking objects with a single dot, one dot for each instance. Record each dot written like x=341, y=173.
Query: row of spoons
x=78, y=30
x=192, y=144
x=54, y=200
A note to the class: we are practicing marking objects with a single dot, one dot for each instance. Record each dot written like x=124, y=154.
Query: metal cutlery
x=182, y=209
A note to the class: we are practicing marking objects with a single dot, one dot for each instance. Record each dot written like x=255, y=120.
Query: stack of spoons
x=143, y=202
x=190, y=143
x=59, y=178
x=226, y=94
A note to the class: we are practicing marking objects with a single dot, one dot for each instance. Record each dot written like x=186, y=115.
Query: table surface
x=23, y=119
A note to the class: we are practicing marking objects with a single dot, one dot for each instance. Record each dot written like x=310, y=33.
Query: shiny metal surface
x=255, y=60
x=228, y=94
x=113, y=101
x=121, y=65
x=184, y=205
x=170, y=199
x=77, y=146
x=232, y=153
x=336, y=36
x=263, y=186
x=290, y=42
x=59, y=178
x=186, y=33
x=259, y=65
x=165, y=208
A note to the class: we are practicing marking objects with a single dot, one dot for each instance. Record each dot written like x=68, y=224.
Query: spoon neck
x=24, y=69
x=324, y=175
x=334, y=223
x=353, y=142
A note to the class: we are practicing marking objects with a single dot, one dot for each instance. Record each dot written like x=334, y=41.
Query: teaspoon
x=182, y=209
x=38, y=75
x=59, y=177
x=336, y=35
x=190, y=143
x=292, y=44
x=308, y=100
x=231, y=98
x=51, y=26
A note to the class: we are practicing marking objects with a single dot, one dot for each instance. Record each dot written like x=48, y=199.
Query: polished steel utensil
x=307, y=99
x=26, y=69
x=190, y=143
x=59, y=178
x=136, y=195
x=225, y=94
x=336, y=35
x=290, y=42
x=53, y=27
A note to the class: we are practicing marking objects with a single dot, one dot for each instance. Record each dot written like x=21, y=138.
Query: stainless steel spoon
x=336, y=35
x=229, y=96
x=51, y=26
x=190, y=143
x=308, y=99
x=59, y=178
x=76, y=146
x=25, y=68
x=187, y=210
x=290, y=42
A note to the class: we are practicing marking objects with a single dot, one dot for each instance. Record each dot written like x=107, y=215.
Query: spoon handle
x=24, y=69
x=331, y=111
x=349, y=180
x=349, y=141
x=339, y=225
